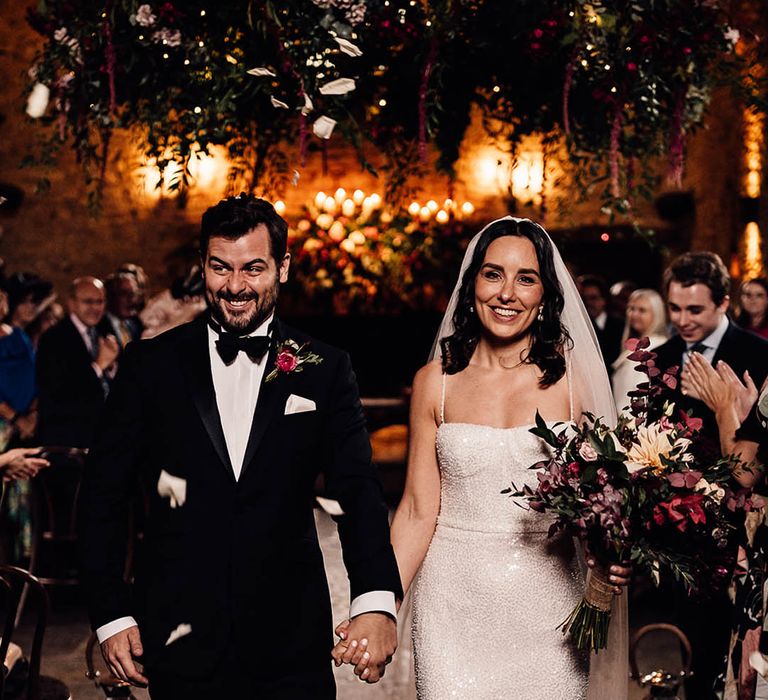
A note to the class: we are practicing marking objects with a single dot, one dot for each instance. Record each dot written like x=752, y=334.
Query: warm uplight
x=340, y=195
x=442, y=217
x=329, y=205
x=528, y=176
x=425, y=214
x=754, y=123
x=414, y=208
x=358, y=196
x=432, y=206
x=753, y=254
x=320, y=199
x=467, y=209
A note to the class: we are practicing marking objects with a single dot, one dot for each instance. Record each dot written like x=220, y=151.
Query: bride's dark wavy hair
x=549, y=336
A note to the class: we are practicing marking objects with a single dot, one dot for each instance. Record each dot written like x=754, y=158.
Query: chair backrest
x=17, y=581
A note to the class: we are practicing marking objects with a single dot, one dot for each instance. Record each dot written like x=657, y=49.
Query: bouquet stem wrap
x=589, y=621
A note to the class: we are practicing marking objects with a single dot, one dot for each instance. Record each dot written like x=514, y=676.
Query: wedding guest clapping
x=747, y=439
x=646, y=318
x=754, y=306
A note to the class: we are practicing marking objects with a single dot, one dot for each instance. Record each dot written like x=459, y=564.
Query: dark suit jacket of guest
x=240, y=559
x=609, y=339
x=741, y=349
x=70, y=395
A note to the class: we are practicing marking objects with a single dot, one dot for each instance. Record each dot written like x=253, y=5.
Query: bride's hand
x=618, y=575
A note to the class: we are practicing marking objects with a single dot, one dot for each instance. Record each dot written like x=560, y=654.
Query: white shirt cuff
x=112, y=628
x=374, y=601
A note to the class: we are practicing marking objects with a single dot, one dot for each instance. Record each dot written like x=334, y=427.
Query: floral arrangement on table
x=621, y=81
x=636, y=493
x=361, y=257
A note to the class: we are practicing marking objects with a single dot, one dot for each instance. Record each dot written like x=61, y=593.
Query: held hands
x=718, y=387
x=120, y=651
x=368, y=642
x=22, y=463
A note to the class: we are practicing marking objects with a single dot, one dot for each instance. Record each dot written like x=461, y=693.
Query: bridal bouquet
x=635, y=492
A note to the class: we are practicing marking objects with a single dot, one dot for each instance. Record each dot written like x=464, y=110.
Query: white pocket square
x=298, y=404
x=173, y=487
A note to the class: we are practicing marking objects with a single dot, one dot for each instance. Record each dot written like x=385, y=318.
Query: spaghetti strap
x=442, y=402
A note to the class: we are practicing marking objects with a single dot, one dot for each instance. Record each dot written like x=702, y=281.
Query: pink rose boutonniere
x=290, y=358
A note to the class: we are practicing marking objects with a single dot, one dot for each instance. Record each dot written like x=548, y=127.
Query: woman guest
x=646, y=318
x=754, y=306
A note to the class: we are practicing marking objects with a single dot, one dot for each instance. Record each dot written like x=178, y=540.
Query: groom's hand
x=120, y=650
x=368, y=642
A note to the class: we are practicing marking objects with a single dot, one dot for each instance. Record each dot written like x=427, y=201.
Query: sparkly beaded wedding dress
x=493, y=587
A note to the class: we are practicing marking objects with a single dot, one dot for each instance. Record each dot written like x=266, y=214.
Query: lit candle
x=467, y=209
x=414, y=208
x=358, y=196
x=432, y=206
x=340, y=195
x=348, y=208
x=329, y=205
x=449, y=204
x=375, y=200
x=441, y=217
x=280, y=207
x=337, y=232
x=320, y=200
x=425, y=214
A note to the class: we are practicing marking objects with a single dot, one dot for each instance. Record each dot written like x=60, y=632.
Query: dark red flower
x=286, y=361
x=681, y=510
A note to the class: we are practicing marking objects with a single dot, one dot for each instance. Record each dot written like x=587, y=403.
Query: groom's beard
x=248, y=320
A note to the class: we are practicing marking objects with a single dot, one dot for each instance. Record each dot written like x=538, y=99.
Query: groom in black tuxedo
x=229, y=420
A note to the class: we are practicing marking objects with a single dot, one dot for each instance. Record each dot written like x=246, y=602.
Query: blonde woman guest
x=646, y=318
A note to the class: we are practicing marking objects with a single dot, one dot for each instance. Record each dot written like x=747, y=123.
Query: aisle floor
x=67, y=635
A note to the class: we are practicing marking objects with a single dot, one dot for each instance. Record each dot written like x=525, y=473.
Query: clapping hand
x=368, y=642
x=109, y=349
x=718, y=387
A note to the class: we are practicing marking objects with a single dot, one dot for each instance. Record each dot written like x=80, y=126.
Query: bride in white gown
x=489, y=586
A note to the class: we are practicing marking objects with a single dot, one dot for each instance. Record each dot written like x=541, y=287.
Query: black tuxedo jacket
x=70, y=395
x=239, y=561
x=741, y=349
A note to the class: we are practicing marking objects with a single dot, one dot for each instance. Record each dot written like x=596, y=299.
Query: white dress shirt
x=237, y=390
x=600, y=320
x=712, y=342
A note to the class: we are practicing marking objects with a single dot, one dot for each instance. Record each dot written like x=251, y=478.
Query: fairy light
x=414, y=208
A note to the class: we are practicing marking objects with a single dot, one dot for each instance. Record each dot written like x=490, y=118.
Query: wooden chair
x=17, y=581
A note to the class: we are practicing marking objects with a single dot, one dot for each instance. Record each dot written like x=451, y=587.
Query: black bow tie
x=229, y=344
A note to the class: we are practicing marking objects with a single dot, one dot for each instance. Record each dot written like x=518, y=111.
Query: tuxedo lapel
x=196, y=361
x=272, y=395
x=723, y=350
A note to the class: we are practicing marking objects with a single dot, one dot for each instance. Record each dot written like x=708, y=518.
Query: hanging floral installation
x=622, y=82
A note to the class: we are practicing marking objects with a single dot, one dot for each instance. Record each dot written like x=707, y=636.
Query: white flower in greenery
x=348, y=47
x=60, y=34
x=587, y=452
x=732, y=35
x=651, y=443
x=169, y=37
x=323, y=127
x=37, y=102
x=713, y=490
x=260, y=72
x=341, y=86
x=144, y=16
x=277, y=103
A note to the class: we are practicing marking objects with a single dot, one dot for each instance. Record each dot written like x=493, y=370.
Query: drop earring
x=540, y=315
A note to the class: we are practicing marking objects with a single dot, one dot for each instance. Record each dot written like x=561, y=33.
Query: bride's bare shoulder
x=429, y=378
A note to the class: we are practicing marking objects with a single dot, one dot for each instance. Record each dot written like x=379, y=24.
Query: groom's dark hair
x=233, y=217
